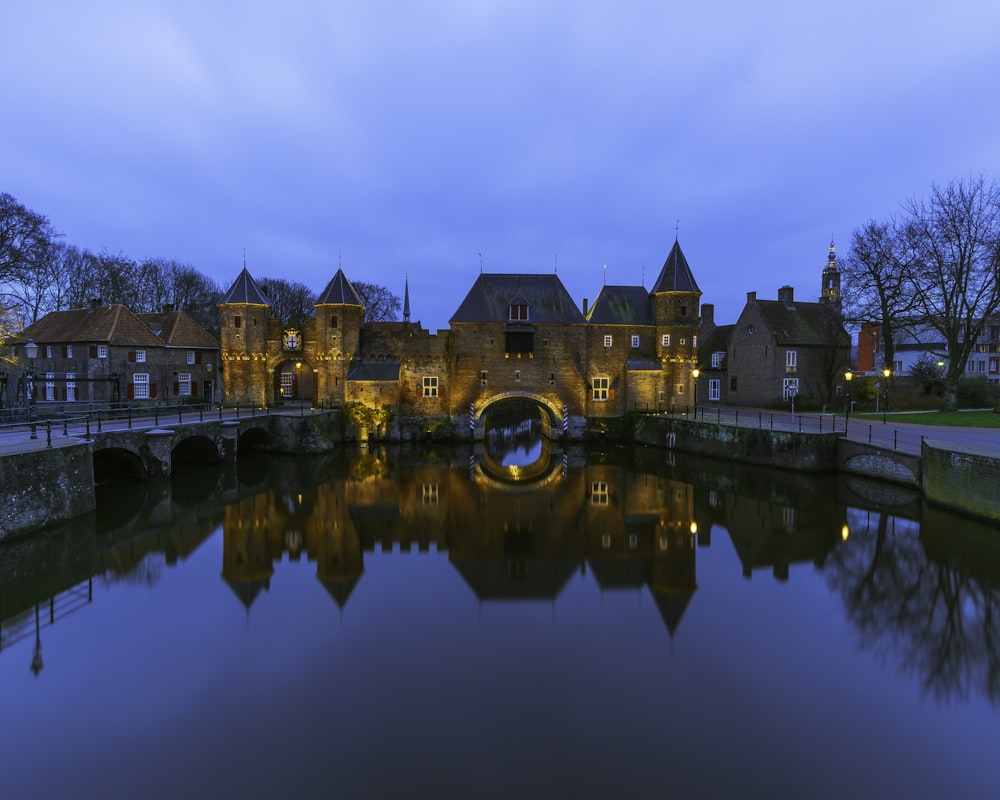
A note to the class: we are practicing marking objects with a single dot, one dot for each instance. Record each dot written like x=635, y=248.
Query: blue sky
x=426, y=138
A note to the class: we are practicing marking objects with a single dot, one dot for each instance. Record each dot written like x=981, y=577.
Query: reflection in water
x=921, y=593
x=514, y=434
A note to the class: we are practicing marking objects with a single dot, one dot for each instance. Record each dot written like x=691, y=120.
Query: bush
x=975, y=393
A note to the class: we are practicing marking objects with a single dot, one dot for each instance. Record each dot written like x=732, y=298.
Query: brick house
x=777, y=349
x=514, y=335
x=105, y=353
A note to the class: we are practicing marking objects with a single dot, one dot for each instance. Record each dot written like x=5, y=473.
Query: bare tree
x=956, y=272
x=381, y=305
x=25, y=238
x=196, y=295
x=291, y=301
x=877, y=276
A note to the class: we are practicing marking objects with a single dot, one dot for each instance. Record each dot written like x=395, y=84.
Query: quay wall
x=964, y=480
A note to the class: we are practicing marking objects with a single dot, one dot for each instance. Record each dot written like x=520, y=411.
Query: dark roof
x=642, y=364
x=491, y=295
x=245, y=290
x=178, y=329
x=802, y=323
x=622, y=305
x=339, y=291
x=716, y=342
x=375, y=371
x=104, y=324
x=676, y=275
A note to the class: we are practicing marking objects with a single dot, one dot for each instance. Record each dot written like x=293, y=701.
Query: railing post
x=88, y=426
x=156, y=415
x=128, y=412
x=180, y=411
x=65, y=426
x=48, y=433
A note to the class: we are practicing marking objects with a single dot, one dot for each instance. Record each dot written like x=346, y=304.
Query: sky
x=433, y=140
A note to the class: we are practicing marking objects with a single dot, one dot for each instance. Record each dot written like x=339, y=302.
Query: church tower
x=339, y=316
x=675, y=298
x=831, y=279
x=244, y=312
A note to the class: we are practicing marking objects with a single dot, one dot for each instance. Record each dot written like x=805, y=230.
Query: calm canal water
x=417, y=623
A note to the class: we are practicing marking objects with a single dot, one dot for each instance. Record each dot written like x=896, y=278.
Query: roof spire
x=406, y=300
x=677, y=230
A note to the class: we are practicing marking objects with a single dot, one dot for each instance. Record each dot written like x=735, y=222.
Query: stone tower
x=339, y=316
x=831, y=280
x=675, y=298
x=244, y=312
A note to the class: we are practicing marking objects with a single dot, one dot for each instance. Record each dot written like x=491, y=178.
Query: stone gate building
x=514, y=336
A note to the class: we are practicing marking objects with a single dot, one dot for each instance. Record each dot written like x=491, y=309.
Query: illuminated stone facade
x=513, y=336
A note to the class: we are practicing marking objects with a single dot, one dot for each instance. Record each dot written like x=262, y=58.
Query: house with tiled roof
x=780, y=349
x=105, y=354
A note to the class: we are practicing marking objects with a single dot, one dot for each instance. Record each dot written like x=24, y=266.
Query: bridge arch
x=198, y=449
x=113, y=464
x=555, y=409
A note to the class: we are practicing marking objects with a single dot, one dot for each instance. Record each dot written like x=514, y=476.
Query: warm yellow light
x=694, y=527
x=848, y=375
x=695, y=373
x=844, y=533
x=886, y=372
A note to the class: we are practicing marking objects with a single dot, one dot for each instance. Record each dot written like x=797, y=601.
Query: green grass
x=950, y=419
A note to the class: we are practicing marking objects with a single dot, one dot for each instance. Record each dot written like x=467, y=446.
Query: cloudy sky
x=433, y=139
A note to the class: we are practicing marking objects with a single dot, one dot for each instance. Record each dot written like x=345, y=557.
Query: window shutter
x=131, y=355
x=177, y=387
x=611, y=394
x=65, y=351
x=93, y=351
x=152, y=390
x=131, y=391
x=194, y=388
x=197, y=357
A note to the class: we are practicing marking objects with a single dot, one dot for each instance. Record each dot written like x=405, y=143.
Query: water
x=408, y=623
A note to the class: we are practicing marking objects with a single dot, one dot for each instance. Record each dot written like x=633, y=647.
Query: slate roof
x=339, y=291
x=622, y=305
x=676, y=275
x=245, y=290
x=375, y=371
x=801, y=323
x=178, y=329
x=716, y=342
x=492, y=293
x=114, y=325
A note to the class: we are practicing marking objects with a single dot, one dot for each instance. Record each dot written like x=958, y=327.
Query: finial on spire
x=244, y=258
x=605, y=274
x=555, y=265
x=677, y=230
x=480, y=263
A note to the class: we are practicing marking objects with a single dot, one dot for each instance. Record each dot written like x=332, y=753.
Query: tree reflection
x=928, y=614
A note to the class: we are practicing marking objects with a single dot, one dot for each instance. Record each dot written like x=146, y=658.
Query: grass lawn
x=951, y=419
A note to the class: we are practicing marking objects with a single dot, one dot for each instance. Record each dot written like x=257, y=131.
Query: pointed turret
x=244, y=311
x=831, y=279
x=676, y=275
x=406, y=300
x=339, y=316
x=675, y=297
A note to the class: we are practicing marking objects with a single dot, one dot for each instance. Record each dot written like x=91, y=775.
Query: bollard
x=88, y=426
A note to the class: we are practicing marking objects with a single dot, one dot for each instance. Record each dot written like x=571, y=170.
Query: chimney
x=708, y=314
x=786, y=295
x=751, y=297
x=584, y=306
x=168, y=308
x=95, y=302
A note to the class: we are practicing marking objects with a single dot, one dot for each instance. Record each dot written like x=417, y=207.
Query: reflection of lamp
x=694, y=374
x=886, y=373
x=694, y=527
x=845, y=532
x=847, y=377
x=31, y=350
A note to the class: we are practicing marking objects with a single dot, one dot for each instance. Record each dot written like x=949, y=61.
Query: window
x=790, y=388
x=635, y=341
x=430, y=494
x=69, y=351
x=190, y=356
x=519, y=343
x=102, y=351
x=717, y=358
x=791, y=360
x=140, y=356
x=184, y=384
x=665, y=340
x=714, y=389
x=333, y=320
x=48, y=351
x=694, y=341
x=683, y=341
x=482, y=378
x=70, y=386
x=633, y=541
x=599, y=494
x=518, y=312
x=288, y=384
x=601, y=388
x=606, y=541
x=431, y=386
x=517, y=374
x=50, y=386
x=607, y=341
x=237, y=321
x=732, y=384
x=141, y=383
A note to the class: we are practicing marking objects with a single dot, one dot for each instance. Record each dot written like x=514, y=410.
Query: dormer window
x=518, y=312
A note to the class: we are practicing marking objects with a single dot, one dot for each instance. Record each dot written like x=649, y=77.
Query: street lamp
x=847, y=377
x=886, y=374
x=31, y=350
x=694, y=374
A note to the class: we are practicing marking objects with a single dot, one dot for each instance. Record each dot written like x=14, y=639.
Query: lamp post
x=694, y=374
x=847, y=377
x=886, y=374
x=31, y=350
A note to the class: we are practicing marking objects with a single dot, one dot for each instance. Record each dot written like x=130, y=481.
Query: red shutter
x=177, y=388
x=197, y=357
x=131, y=355
x=65, y=350
x=194, y=388
x=131, y=391
x=93, y=351
x=152, y=390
